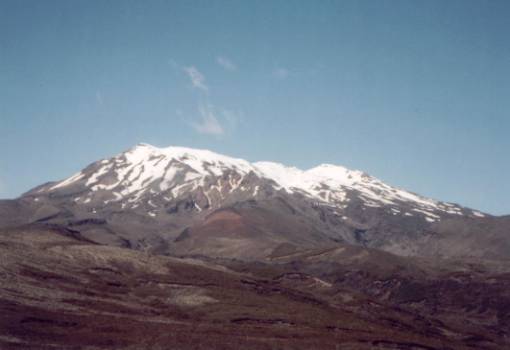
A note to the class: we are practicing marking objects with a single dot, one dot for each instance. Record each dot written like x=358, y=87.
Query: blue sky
x=416, y=93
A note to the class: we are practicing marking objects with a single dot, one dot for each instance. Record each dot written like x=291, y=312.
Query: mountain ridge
x=147, y=197
x=222, y=248
x=313, y=182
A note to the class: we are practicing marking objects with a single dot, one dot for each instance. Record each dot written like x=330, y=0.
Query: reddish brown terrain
x=61, y=291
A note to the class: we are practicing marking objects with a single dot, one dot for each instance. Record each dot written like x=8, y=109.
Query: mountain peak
x=179, y=152
x=337, y=173
x=144, y=144
x=145, y=173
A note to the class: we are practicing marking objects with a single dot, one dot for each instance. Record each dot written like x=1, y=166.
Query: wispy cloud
x=281, y=73
x=211, y=120
x=226, y=63
x=99, y=98
x=232, y=118
x=173, y=63
x=209, y=123
x=197, y=78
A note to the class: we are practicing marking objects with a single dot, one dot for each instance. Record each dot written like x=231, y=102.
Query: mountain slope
x=147, y=197
x=179, y=247
x=144, y=172
x=60, y=291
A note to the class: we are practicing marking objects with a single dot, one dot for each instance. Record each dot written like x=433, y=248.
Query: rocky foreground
x=58, y=290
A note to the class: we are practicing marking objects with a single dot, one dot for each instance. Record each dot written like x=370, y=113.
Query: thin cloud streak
x=197, y=78
x=281, y=73
x=211, y=120
x=226, y=63
x=232, y=118
x=209, y=123
x=99, y=98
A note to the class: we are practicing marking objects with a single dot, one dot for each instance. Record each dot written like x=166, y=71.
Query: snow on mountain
x=145, y=171
x=331, y=184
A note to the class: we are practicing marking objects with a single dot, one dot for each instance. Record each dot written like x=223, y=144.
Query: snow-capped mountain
x=146, y=176
x=176, y=199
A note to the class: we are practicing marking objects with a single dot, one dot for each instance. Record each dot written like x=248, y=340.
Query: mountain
x=179, y=200
x=148, y=177
x=160, y=248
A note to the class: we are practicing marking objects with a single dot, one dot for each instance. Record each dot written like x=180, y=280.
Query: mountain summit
x=185, y=200
x=146, y=176
x=169, y=239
